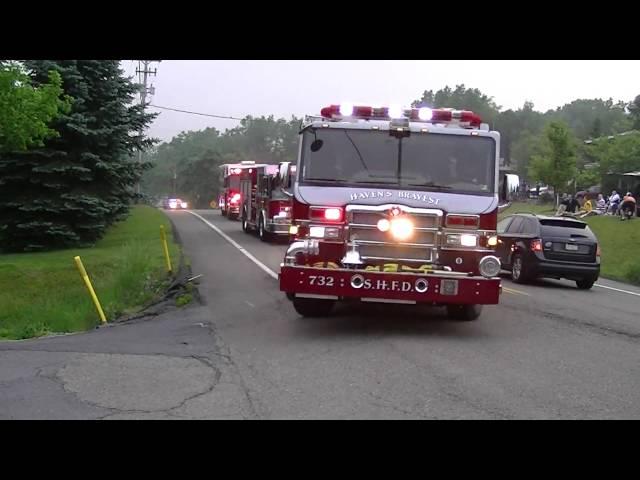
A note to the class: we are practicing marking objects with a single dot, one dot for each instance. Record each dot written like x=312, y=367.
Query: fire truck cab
x=395, y=205
x=266, y=203
x=229, y=198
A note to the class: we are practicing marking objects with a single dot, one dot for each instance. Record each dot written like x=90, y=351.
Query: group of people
x=613, y=205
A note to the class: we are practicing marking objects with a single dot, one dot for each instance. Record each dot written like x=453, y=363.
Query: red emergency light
x=423, y=114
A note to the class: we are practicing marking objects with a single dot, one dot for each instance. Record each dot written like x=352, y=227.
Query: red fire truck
x=266, y=203
x=395, y=205
x=229, y=188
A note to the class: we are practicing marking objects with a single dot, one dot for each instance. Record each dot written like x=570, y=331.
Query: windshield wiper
x=364, y=164
x=430, y=184
x=376, y=181
x=317, y=179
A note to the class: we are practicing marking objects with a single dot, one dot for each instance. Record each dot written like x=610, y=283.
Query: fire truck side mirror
x=509, y=186
x=286, y=180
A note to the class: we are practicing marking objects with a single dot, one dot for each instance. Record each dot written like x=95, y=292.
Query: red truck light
x=462, y=221
x=326, y=214
x=235, y=198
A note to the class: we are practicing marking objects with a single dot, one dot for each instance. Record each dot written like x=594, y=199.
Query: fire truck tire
x=464, y=313
x=313, y=307
x=245, y=222
x=262, y=232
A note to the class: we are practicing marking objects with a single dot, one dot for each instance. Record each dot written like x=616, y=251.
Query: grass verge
x=43, y=293
x=619, y=241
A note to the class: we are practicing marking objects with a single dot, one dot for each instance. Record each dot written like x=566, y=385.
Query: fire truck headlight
x=401, y=228
x=489, y=266
x=492, y=241
x=324, y=232
x=184, y=204
x=384, y=225
x=293, y=230
x=316, y=232
x=467, y=240
x=464, y=240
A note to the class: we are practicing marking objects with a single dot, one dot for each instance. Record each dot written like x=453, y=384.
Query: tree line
x=545, y=147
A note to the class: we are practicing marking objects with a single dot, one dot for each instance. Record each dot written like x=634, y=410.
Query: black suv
x=555, y=247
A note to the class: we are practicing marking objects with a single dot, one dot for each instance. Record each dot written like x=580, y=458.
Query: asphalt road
x=548, y=351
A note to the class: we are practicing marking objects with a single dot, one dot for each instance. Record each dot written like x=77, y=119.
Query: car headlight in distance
x=489, y=266
x=184, y=204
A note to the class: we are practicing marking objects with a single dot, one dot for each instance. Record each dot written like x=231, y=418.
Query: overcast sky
x=299, y=87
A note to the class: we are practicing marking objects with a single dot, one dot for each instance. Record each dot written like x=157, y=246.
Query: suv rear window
x=564, y=228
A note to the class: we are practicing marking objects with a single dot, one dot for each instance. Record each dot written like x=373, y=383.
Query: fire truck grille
x=371, y=218
x=396, y=252
x=376, y=245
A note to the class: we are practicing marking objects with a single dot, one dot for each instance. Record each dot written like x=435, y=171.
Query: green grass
x=619, y=241
x=526, y=207
x=43, y=293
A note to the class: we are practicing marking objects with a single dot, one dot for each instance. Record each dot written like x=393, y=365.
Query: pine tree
x=68, y=192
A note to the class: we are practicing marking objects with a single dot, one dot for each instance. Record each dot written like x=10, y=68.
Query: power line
x=195, y=113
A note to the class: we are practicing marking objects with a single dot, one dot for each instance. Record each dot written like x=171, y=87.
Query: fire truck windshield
x=431, y=161
x=234, y=182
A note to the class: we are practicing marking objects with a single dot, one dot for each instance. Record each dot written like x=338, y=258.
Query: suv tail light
x=598, y=251
x=326, y=214
x=536, y=245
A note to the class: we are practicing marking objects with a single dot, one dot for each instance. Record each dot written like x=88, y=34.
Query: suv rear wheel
x=519, y=273
x=585, y=283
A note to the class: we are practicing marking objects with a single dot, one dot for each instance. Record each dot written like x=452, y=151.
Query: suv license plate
x=571, y=246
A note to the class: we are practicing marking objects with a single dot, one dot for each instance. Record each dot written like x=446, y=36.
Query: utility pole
x=143, y=78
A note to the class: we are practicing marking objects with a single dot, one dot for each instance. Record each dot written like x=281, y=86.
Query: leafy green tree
x=555, y=162
x=69, y=191
x=25, y=110
x=634, y=112
x=583, y=115
x=620, y=154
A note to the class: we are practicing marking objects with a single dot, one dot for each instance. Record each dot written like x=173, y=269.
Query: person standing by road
x=614, y=202
x=628, y=204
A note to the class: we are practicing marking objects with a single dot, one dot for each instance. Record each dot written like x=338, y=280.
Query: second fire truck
x=229, y=197
x=266, y=203
x=396, y=206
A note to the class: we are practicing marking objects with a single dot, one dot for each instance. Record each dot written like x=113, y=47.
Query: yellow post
x=87, y=282
x=163, y=237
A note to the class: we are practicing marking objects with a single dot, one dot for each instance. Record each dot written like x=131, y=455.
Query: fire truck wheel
x=313, y=307
x=464, y=313
x=262, y=232
x=245, y=222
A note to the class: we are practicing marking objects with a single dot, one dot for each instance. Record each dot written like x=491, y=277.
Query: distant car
x=533, y=246
x=535, y=193
x=175, y=204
